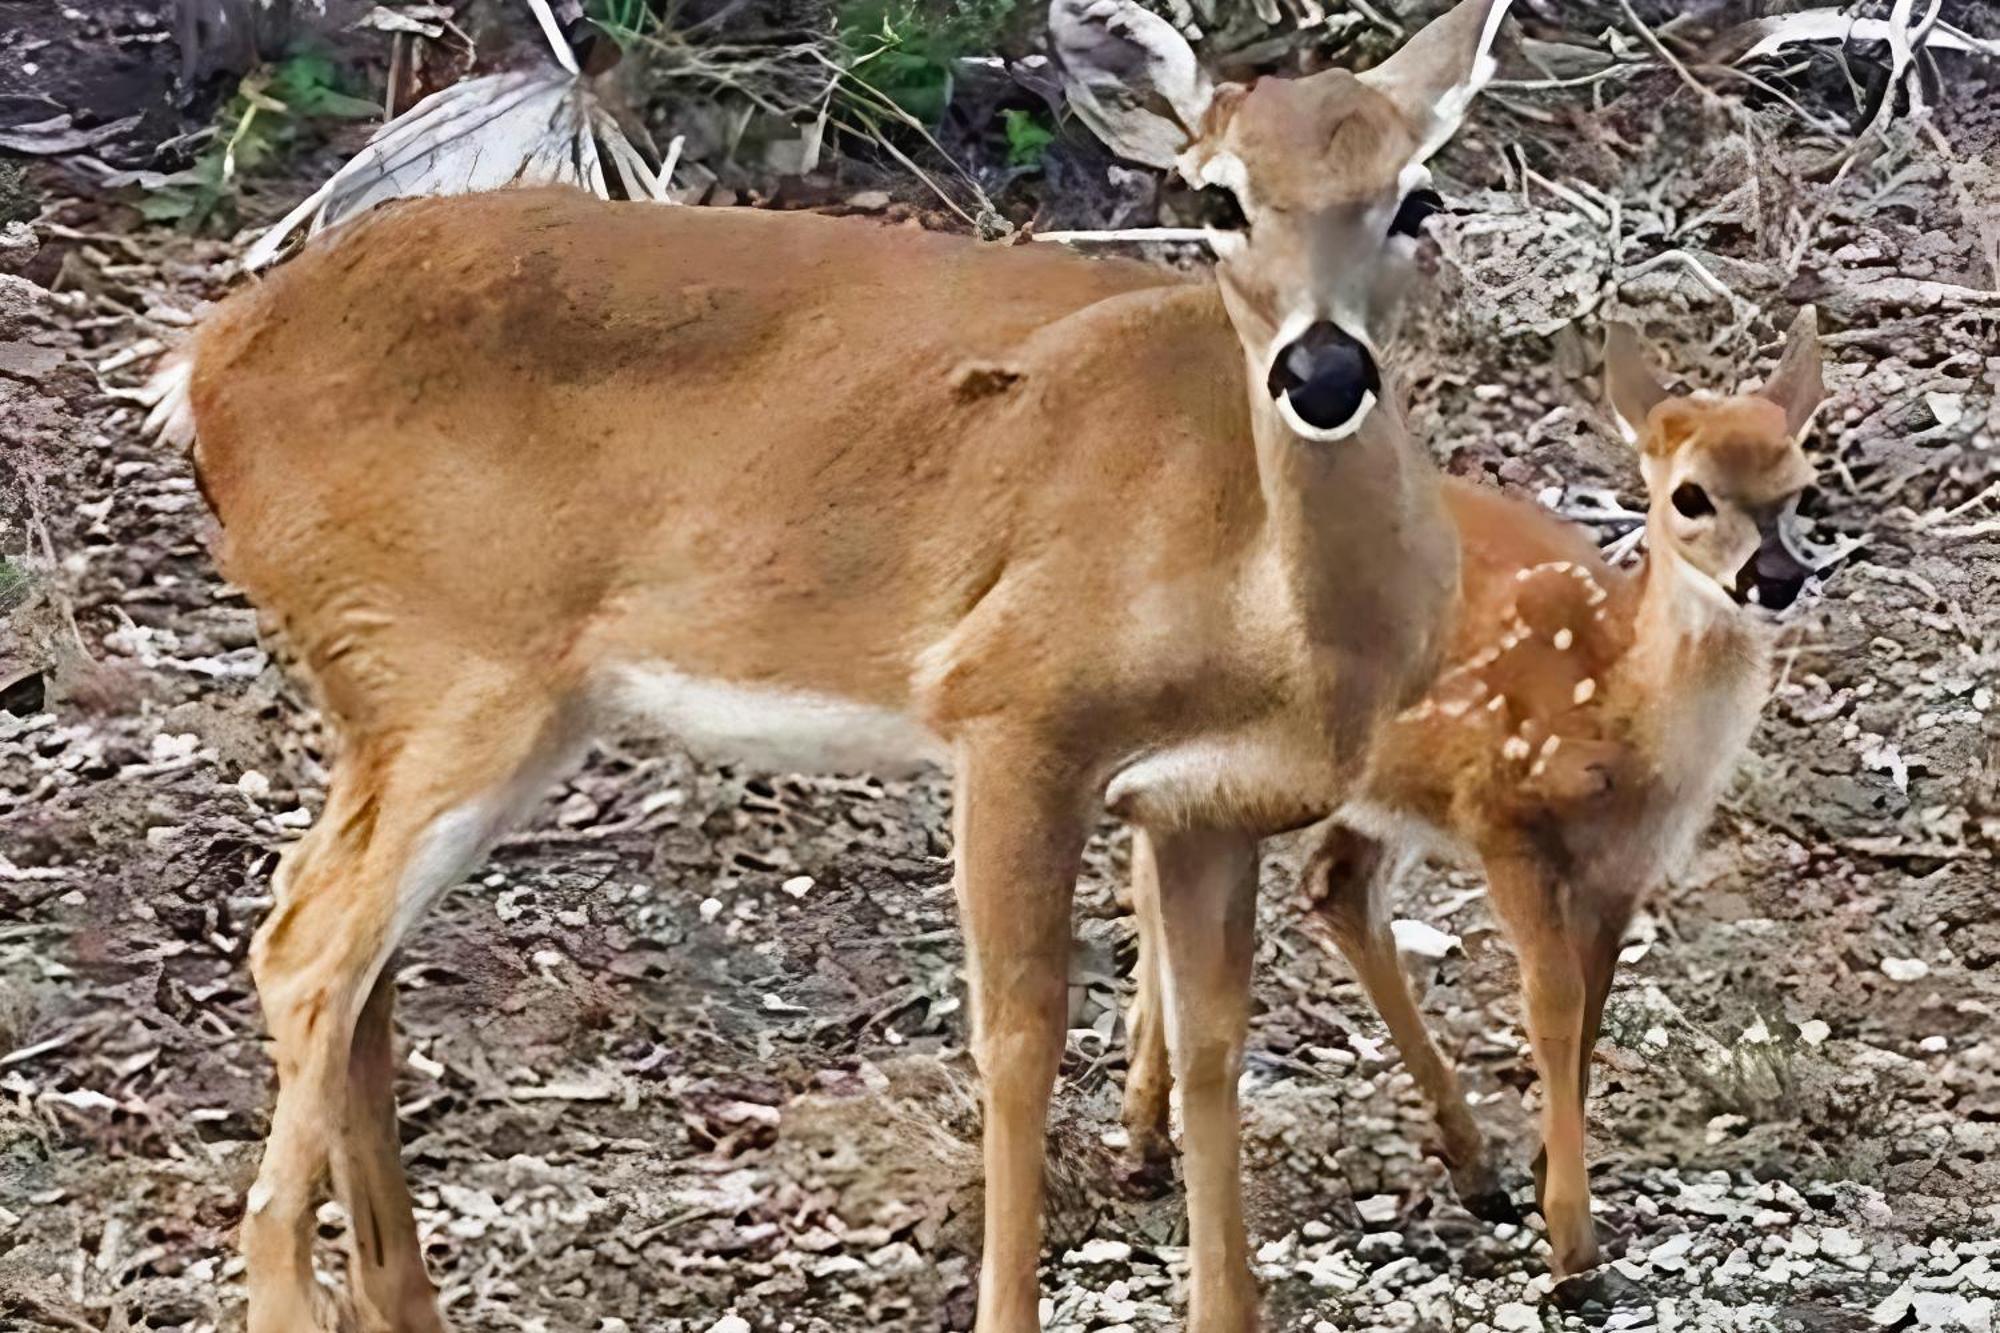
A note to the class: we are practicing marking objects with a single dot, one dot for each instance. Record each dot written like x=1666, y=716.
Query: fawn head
x=1322, y=177
x=1724, y=474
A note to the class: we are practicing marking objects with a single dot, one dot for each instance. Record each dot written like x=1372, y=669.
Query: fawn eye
x=1691, y=501
x=1221, y=209
x=1414, y=211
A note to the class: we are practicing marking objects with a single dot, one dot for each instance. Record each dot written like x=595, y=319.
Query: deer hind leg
x=1019, y=834
x=408, y=813
x=1149, y=1081
x=392, y=1292
x=1533, y=904
x=1208, y=910
x=1349, y=878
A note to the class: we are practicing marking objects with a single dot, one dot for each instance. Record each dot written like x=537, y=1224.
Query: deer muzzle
x=1327, y=378
x=1776, y=573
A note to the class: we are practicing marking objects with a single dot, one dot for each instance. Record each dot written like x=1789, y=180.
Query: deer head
x=1724, y=474
x=1325, y=172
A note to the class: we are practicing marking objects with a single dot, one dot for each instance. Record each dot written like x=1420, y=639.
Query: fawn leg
x=1530, y=900
x=1355, y=873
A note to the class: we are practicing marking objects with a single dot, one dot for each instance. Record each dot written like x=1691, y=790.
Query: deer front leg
x=1348, y=880
x=1531, y=902
x=1207, y=915
x=1149, y=1081
x=1019, y=842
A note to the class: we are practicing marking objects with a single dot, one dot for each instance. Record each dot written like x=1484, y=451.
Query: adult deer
x=814, y=493
x=1576, y=742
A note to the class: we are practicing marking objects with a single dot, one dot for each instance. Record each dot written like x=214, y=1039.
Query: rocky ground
x=689, y=1053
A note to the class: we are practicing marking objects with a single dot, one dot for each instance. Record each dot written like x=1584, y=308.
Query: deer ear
x=1130, y=77
x=1796, y=385
x=1434, y=77
x=1629, y=384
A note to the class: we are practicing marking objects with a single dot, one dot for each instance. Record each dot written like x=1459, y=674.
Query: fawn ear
x=1130, y=77
x=1796, y=384
x=1436, y=74
x=1629, y=384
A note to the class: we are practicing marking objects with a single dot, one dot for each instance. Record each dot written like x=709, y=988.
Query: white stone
x=1895, y=1307
x=1514, y=1317
x=1099, y=1252
x=1419, y=939
x=1905, y=969
x=1378, y=1209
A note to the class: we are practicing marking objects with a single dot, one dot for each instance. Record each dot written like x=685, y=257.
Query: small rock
x=25, y=361
x=1378, y=1209
x=20, y=300
x=17, y=246
x=1722, y=1126
x=1379, y=1244
x=1905, y=969
x=1813, y=1032
x=869, y=201
x=798, y=886
x=1515, y=1317
x=1419, y=939
x=730, y=1323
x=1100, y=1252
x=1895, y=1307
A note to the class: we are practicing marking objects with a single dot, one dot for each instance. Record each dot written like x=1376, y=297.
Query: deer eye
x=1221, y=209
x=1414, y=211
x=1691, y=501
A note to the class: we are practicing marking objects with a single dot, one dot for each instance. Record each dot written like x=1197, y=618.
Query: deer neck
x=1700, y=664
x=1347, y=517
x=1362, y=557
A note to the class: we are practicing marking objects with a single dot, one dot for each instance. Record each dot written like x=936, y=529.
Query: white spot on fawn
x=1563, y=639
x=1585, y=691
x=1551, y=745
x=1496, y=703
x=1515, y=748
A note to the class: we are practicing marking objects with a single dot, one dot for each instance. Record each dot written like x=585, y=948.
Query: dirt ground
x=688, y=1054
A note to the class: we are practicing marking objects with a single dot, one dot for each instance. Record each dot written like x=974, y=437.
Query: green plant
x=1027, y=138
x=270, y=111
x=905, y=49
x=17, y=197
x=625, y=21
x=15, y=584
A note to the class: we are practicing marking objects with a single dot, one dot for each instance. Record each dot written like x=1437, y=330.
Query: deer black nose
x=1326, y=375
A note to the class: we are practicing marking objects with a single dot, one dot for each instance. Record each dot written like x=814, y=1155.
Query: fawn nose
x=1776, y=572
x=1326, y=376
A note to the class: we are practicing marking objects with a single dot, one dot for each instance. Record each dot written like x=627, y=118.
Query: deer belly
x=766, y=727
